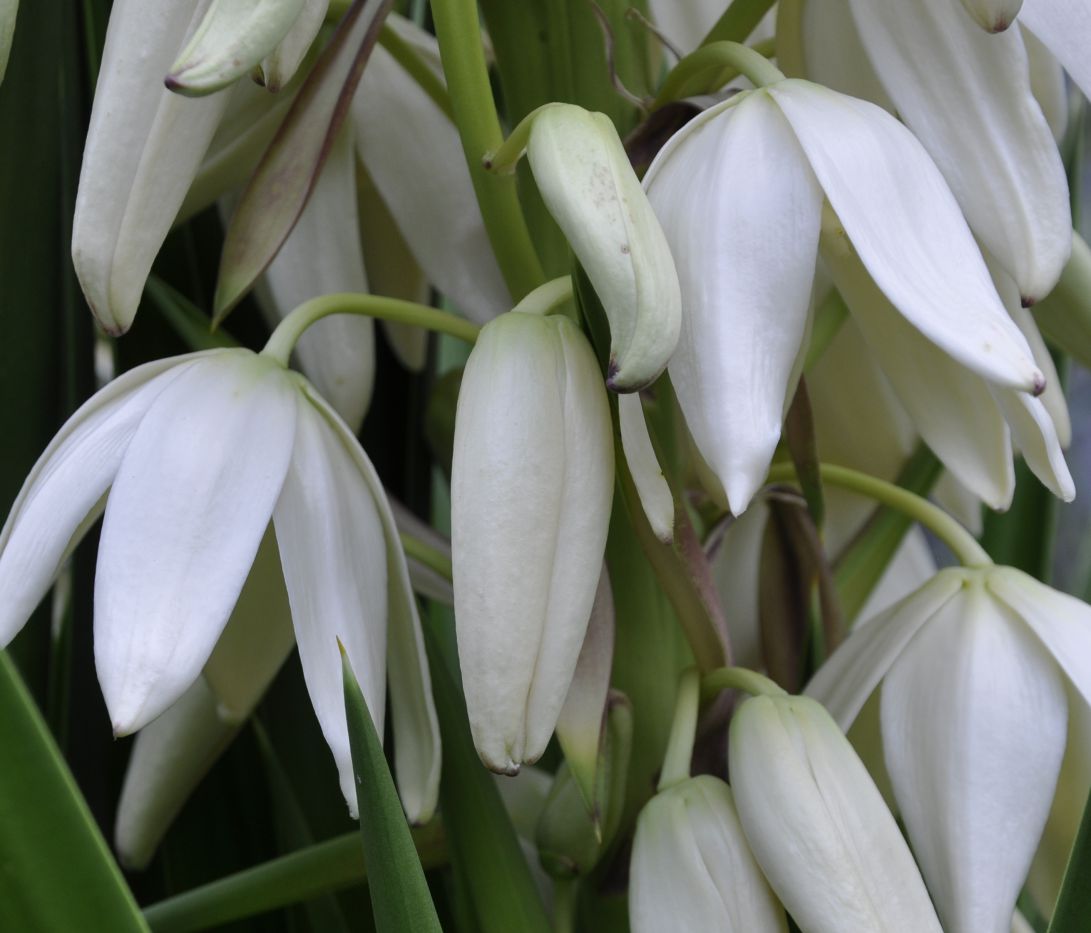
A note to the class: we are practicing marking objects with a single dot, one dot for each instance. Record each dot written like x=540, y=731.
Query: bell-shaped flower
x=531, y=484
x=968, y=98
x=978, y=672
x=195, y=456
x=740, y=193
x=231, y=40
x=586, y=181
x=692, y=868
x=817, y=824
x=143, y=148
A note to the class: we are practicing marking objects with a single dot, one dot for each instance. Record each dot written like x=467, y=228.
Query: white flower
x=977, y=671
x=740, y=194
x=818, y=826
x=531, y=486
x=692, y=868
x=194, y=457
x=967, y=96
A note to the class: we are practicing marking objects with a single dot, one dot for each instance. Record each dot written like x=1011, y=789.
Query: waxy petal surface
x=741, y=211
x=188, y=509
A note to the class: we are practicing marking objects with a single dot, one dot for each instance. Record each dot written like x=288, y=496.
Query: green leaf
x=399, y=893
x=484, y=848
x=56, y=871
x=1073, y=908
x=738, y=21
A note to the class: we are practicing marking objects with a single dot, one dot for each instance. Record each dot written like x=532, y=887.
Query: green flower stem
x=738, y=678
x=962, y=544
x=564, y=905
x=546, y=299
x=431, y=557
x=504, y=158
x=676, y=762
x=458, y=30
x=288, y=331
x=428, y=81
x=738, y=21
x=318, y=869
x=722, y=61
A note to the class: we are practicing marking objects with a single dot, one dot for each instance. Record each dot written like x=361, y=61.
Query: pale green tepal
x=817, y=824
x=531, y=485
x=586, y=181
x=692, y=868
x=192, y=459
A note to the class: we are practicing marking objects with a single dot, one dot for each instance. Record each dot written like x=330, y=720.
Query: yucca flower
x=977, y=673
x=193, y=458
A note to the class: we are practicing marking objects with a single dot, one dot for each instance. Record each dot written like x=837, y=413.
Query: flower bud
x=531, y=483
x=692, y=868
x=590, y=189
x=817, y=824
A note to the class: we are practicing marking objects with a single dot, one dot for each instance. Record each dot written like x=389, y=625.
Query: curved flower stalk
x=531, y=483
x=692, y=868
x=818, y=826
x=196, y=455
x=323, y=255
x=144, y=145
x=968, y=98
x=747, y=253
x=978, y=672
x=586, y=181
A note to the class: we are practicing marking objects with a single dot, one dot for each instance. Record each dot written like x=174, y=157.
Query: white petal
x=907, y=228
x=417, y=751
x=692, y=868
x=967, y=97
x=531, y=486
x=1048, y=84
x=233, y=37
x=334, y=560
x=168, y=760
x=413, y=152
x=911, y=567
x=48, y=517
x=322, y=256
x=741, y=212
x=143, y=147
x=651, y=485
x=581, y=721
x=993, y=15
x=1036, y=438
x=1062, y=622
x=257, y=639
x=950, y=406
x=1064, y=26
x=735, y=568
x=1053, y=397
x=854, y=670
x=590, y=189
x=818, y=826
x=279, y=66
x=188, y=509
x=974, y=720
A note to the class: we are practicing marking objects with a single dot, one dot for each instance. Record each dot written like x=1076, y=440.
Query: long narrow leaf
x=1074, y=902
x=55, y=869
x=399, y=893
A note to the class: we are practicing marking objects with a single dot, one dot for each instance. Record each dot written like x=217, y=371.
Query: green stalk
x=720, y=60
x=284, y=338
x=676, y=762
x=458, y=30
x=738, y=678
x=962, y=544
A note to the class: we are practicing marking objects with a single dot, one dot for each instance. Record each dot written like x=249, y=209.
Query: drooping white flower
x=817, y=824
x=740, y=194
x=968, y=98
x=195, y=456
x=977, y=671
x=143, y=147
x=531, y=483
x=692, y=868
